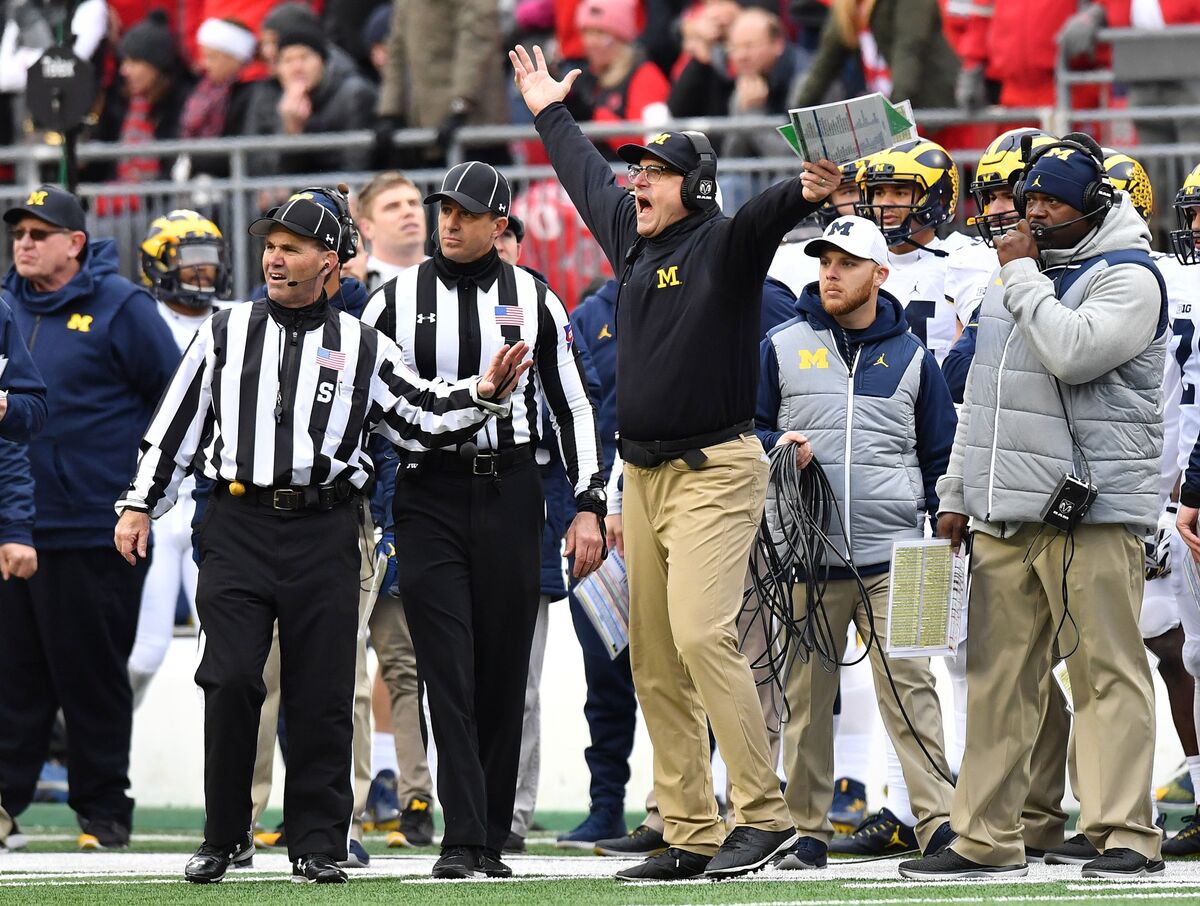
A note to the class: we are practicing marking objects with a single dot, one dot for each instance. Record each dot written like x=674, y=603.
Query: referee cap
x=855, y=236
x=303, y=215
x=477, y=186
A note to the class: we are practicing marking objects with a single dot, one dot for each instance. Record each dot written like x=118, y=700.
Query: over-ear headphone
x=348, y=239
x=1098, y=195
x=699, y=189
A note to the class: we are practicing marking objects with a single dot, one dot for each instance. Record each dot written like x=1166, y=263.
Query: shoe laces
x=876, y=823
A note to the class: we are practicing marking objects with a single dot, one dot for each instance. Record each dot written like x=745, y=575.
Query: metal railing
x=123, y=211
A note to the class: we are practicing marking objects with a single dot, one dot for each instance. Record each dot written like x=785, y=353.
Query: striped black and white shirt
x=272, y=400
x=447, y=323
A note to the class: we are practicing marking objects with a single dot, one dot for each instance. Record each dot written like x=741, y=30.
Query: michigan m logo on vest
x=814, y=358
x=82, y=323
x=669, y=276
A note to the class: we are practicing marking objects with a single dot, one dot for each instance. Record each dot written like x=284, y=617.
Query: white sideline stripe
x=1046, y=898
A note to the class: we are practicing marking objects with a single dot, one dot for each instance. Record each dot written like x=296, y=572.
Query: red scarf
x=136, y=129
x=205, y=110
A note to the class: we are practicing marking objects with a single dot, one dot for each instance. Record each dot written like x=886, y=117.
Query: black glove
x=451, y=124
x=383, y=151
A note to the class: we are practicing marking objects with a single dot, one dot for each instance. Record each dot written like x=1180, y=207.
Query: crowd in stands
x=211, y=68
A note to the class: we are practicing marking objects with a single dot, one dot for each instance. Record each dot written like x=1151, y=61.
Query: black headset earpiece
x=699, y=189
x=1098, y=195
x=348, y=239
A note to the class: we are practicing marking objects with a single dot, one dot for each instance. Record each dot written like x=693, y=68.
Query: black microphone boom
x=308, y=279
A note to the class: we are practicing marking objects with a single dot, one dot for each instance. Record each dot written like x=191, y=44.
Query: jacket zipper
x=849, y=432
x=286, y=379
x=37, y=323
x=996, y=428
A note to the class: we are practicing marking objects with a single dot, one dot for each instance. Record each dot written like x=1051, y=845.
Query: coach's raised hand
x=537, y=86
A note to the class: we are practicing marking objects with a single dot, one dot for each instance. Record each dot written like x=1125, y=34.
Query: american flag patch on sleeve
x=328, y=358
x=510, y=314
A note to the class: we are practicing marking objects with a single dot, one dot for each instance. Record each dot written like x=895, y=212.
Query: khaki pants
x=687, y=540
x=1043, y=817
x=808, y=735
x=1016, y=607
x=268, y=724
x=398, y=666
x=753, y=634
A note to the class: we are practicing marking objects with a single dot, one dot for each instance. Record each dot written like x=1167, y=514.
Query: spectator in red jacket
x=618, y=82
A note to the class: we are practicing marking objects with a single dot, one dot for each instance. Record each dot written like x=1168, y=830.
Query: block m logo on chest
x=814, y=358
x=669, y=276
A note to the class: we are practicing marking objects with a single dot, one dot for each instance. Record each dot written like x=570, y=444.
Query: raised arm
x=607, y=208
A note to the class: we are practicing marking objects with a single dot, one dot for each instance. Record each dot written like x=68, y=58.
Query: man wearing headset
x=1056, y=460
x=695, y=478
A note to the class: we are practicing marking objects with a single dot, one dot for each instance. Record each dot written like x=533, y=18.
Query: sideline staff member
x=695, y=482
x=274, y=399
x=468, y=525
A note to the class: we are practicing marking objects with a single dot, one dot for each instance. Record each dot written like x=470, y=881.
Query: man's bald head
x=755, y=42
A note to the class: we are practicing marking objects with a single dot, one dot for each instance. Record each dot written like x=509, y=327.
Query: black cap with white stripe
x=476, y=186
x=303, y=216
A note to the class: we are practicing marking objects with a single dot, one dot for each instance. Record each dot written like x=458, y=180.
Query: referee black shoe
x=457, y=863
x=748, y=849
x=949, y=865
x=672, y=865
x=209, y=864
x=318, y=868
x=488, y=861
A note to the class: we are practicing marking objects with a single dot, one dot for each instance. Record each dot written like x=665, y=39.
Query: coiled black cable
x=797, y=552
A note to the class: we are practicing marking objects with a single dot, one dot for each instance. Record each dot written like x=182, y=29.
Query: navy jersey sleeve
x=958, y=361
x=16, y=495
x=20, y=378
x=766, y=415
x=936, y=422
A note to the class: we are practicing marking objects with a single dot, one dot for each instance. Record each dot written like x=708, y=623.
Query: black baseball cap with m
x=477, y=186
x=53, y=204
x=673, y=148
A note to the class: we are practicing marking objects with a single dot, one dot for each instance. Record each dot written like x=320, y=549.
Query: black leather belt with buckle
x=481, y=464
x=290, y=500
x=651, y=454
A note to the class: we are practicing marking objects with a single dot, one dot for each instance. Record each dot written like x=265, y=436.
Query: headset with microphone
x=324, y=268
x=699, y=189
x=1098, y=195
x=348, y=238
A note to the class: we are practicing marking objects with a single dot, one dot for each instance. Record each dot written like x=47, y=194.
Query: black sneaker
x=318, y=868
x=1187, y=841
x=748, y=849
x=849, y=806
x=671, y=865
x=1033, y=854
x=514, y=845
x=1120, y=862
x=949, y=865
x=209, y=864
x=457, y=863
x=882, y=834
x=416, y=822
x=942, y=837
x=809, y=852
x=1076, y=851
x=643, y=840
x=488, y=861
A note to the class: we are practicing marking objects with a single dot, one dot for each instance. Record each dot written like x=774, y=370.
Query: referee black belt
x=287, y=499
x=482, y=464
x=652, y=453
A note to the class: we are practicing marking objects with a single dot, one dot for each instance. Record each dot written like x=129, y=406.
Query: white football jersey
x=1183, y=367
x=794, y=268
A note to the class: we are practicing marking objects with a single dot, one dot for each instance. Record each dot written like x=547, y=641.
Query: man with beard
x=847, y=383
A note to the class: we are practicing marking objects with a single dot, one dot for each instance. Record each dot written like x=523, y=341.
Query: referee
x=273, y=401
x=468, y=525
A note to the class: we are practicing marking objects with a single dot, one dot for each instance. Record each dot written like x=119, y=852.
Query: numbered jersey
x=1183, y=371
x=933, y=287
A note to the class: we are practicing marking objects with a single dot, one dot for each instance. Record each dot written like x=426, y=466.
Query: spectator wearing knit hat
x=314, y=96
x=617, y=83
x=146, y=102
x=217, y=105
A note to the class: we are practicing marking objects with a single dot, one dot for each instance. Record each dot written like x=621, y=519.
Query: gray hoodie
x=1104, y=343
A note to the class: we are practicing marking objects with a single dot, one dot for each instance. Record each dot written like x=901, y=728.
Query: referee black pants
x=65, y=638
x=469, y=554
x=302, y=570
